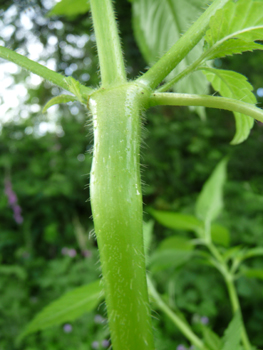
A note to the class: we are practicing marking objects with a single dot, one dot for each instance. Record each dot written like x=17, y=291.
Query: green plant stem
x=116, y=201
x=190, y=69
x=38, y=69
x=174, y=99
x=231, y=291
x=180, y=324
x=112, y=68
x=181, y=48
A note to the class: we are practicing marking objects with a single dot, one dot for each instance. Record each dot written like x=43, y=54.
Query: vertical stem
x=231, y=291
x=116, y=201
x=236, y=307
x=108, y=43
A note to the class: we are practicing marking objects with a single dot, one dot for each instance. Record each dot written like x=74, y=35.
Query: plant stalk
x=180, y=324
x=175, y=99
x=231, y=291
x=112, y=68
x=116, y=201
x=36, y=68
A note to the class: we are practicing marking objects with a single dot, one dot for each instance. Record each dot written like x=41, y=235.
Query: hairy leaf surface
x=158, y=25
x=234, y=85
x=234, y=28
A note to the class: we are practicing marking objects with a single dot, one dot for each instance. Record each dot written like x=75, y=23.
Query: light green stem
x=116, y=201
x=180, y=324
x=231, y=291
x=112, y=68
x=174, y=99
x=38, y=69
x=154, y=76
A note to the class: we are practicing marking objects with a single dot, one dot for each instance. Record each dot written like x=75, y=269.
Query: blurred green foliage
x=49, y=174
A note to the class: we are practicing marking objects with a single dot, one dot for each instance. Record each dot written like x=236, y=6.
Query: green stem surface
x=175, y=99
x=180, y=324
x=38, y=69
x=231, y=291
x=154, y=76
x=112, y=68
x=116, y=201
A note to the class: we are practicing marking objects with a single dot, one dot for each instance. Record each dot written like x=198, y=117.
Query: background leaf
x=186, y=222
x=253, y=252
x=232, y=334
x=210, y=201
x=253, y=273
x=211, y=339
x=158, y=25
x=168, y=258
x=234, y=85
x=147, y=236
x=70, y=8
x=176, y=242
x=220, y=235
x=67, y=308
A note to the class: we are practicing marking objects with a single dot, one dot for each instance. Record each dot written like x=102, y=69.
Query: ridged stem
x=116, y=201
x=108, y=43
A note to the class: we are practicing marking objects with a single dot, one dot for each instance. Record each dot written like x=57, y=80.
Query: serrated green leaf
x=67, y=308
x=59, y=99
x=70, y=8
x=210, y=201
x=158, y=25
x=234, y=28
x=234, y=85
x=232, y=334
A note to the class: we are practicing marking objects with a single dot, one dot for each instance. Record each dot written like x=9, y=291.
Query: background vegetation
x=46, y=159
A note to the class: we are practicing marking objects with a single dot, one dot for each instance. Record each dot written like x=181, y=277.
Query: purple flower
x=99, y=319
x=181, y=347
x=95, y=345
x=72, y=253
x=64, y=251
x=12, y=201
x=204, y=320
x=67, y=328
x=86, y=253
x=105, y=343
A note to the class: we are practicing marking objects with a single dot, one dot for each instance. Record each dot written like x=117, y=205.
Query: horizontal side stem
x=174, y=99
x=36, y=68
x=181, y=48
